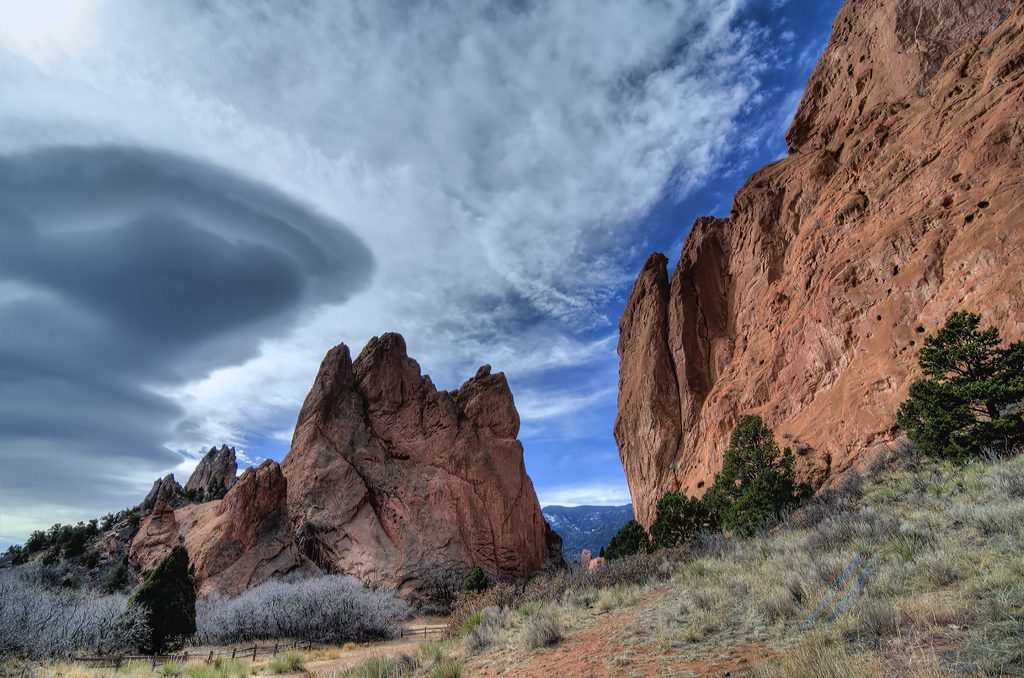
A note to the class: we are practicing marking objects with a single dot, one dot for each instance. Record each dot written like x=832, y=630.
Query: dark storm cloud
x=124, y=271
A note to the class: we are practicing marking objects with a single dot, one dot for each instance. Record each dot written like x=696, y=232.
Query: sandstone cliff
x=900, y=201
x=388, y=479
x=394, y=481
x=217, y=469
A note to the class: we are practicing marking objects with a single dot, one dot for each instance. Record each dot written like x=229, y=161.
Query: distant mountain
x=586, y=527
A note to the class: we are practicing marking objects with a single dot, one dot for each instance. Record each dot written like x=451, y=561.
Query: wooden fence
x=155, y=660
x=249, y=653
x=421, y=631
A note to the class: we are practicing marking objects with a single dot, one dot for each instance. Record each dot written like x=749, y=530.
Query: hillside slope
x=900, y=201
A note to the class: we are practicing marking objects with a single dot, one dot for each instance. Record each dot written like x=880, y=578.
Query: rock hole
x=969, y=218
x=920, y=329
x=913, y=343
x=889, y=291
x=895, y=270
x=849, y=70
x=878, y=317
x=700, y=484
x=861, y=60
x=956, y=177
x=947, y=202
x=983, y=204
x=761, y=361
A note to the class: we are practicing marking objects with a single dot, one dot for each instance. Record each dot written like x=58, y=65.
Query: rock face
x=388, y=480
x=900, y=201
x=217, y=468
x=239, y=541
x=166, y=490
x=394, y=481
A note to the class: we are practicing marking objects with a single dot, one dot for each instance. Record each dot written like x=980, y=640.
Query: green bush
x=969, y=398
x=287, y=662
x=757, y=481
x=476, y=581
x=678, y=519
x=36, y=542
x=168, y=594
x=630, y=539
x=116, y=579
x=18, y=554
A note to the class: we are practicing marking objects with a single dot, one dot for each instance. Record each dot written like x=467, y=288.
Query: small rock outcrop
x=239, y=541
x=165, y=490
x=394, y=481
x=901, y=200
x=216, y=470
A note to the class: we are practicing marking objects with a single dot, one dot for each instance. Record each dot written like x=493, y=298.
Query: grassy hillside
x=914, y=570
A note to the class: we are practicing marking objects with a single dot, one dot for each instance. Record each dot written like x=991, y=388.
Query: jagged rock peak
x=164, y=490
x=218, y=466
x=901, y=201
x=423, y=482
x=238, y=542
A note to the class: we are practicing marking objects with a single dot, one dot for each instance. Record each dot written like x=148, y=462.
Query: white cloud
x=584, y=495
x=494, y=158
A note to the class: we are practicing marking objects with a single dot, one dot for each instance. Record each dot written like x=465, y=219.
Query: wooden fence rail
x=421, y=631
x=155, y=660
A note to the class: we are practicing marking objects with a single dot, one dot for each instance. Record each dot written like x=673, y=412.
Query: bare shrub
x=330, y=609
x=50, y=622
x=1011, y=482
x=871, y=621
x=817, y=659
x=778, y=604
x=488, y=631
x=397, y=666
x=542, y=628
x=839, y=530
x=938, y=569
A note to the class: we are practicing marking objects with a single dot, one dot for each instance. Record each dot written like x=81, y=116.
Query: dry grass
x=913, y=571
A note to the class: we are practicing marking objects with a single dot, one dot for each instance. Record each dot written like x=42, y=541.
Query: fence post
x=310, y=647
x=154, y=662
x=254, y=653
x=209, y=659
x=232, y=653
x=275, y=649
x=117, y=661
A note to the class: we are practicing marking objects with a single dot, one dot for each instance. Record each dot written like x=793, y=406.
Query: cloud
x=495, y=160
x=123, y=270
x=584, y=495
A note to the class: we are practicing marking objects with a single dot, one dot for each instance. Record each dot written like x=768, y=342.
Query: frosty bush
x=331, y=609
x=44, y=620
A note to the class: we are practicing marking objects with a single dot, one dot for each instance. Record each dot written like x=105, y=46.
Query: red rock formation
x=388, y=479
x=900, y=201
x=394, y=481
x=234, y=543
x=217, y=467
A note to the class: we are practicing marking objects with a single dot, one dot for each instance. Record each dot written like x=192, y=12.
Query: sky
x=197, y=200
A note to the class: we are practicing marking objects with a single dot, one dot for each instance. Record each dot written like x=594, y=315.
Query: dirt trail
x=616, y=645
x=348, y=658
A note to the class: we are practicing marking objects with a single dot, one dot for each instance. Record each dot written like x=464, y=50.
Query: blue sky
x=197, y=201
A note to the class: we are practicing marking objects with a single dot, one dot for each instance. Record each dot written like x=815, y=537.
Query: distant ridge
x=586, y=527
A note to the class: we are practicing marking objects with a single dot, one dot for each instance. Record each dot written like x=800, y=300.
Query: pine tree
x=476, y=581
x=970, y=396
x=630, y=539
x=168, y=594
x=757, y=481
x=678, y=519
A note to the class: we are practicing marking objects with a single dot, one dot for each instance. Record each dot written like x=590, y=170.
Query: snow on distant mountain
x=586, y=527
